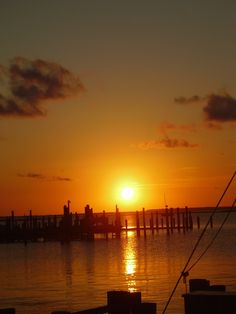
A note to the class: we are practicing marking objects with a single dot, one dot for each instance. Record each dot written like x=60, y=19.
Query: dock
x=89, y=225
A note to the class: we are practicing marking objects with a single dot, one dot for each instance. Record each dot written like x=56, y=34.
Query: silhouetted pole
x=30, y=219
x=190, y=221
x=105, y=224
x=178, y=219
x=157, y=221
x=186, y=213
x=167, y=220
x=183, y=221
x=144, y=223
x=171, y=220
x=12, y=220
x=126, y=225
x=152, y=223
x=137, y=223
x=55, y=221
x=117, y=222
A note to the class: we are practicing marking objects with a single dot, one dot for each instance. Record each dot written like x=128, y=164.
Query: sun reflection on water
x=130, y=258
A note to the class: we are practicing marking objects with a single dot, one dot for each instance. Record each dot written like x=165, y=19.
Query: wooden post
x=144, y=223
x=12, y=220
x=55, y=221
x=178, y=219
x=183, y=221
x=167, y=220
x=186, y=217
x=137, y=224
x=126, y=225
x=30, y=219
x=190, y=221
x=151, y=223
x=105, y=224
x=157, y=221
x=145, y=308
x=122, y=302
x=198, y=222
x=117, y=223
x=43, y=223
x=171, y=220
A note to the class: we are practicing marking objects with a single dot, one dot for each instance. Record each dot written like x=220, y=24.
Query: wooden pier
x=88, y=225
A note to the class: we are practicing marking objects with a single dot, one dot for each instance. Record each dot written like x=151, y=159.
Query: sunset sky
x=100, y=95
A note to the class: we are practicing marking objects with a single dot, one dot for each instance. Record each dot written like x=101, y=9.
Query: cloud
x=28, y=84
x=61, y=179
x=193, y=127
x=218, y=107
x=221, y=108
x=39, y=176
x=184, y=100
x=166, y=142
x=32, y=175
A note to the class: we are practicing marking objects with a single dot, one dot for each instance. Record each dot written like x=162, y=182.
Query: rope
x=215, y=236
x=197, y=243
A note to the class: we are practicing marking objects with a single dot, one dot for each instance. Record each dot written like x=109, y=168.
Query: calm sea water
x=42, y=277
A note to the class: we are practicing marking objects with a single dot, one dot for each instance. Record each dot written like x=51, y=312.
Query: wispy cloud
x=61, y=179
x=39, y=176
x=168, y=127
x=166, y=142
x=32, y=175
x=27, y=84
x=188, y=100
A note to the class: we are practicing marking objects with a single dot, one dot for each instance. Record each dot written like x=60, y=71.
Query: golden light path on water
x=130, y=257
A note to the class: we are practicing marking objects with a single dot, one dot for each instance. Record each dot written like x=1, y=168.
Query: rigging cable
x=197, y=243
x=215, y=236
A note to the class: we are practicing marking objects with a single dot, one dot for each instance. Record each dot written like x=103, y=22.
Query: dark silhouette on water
x=85, y=226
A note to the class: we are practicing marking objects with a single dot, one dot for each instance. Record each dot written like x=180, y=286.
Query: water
x=42, y=277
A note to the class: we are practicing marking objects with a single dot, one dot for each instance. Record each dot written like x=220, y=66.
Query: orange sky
x=96, y=96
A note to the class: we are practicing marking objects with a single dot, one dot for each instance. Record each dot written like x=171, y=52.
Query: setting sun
x=127, y=193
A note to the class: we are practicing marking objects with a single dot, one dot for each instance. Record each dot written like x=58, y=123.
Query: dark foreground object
x=120, y=302
x=204, y=298
x=7, y=311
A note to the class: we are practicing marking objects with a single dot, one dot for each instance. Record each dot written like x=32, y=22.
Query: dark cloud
x=166, y=142
x=39, y=176
x=184, y=100
x=221, y=108
x=28, y=84
x=218, y=107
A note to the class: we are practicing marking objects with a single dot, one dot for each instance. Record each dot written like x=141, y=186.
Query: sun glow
x=127, y=193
